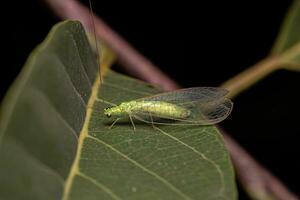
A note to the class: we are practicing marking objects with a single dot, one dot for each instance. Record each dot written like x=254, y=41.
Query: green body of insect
x=198, y=106
x=156, y=108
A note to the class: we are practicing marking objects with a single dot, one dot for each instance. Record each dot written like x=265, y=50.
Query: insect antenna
x=92, y=19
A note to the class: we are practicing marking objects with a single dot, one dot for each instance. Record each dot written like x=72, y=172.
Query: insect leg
x=152, y=123
x=110, y=127
x=132, y=122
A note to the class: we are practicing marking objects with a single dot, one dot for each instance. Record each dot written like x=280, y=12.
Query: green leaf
x=55, y=142
x=287, y=44
x=290, y=31
x=285, y=54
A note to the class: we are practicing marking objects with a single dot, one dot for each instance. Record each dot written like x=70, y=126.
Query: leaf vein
x=199, y=153
x=99, y=185
x=171, y=186
x=81, y=63
x=38, y=163
x=71, y=82
x=58, y=114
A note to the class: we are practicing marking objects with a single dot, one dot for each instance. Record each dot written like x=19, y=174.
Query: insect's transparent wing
x=201, y=113
x=199, y=94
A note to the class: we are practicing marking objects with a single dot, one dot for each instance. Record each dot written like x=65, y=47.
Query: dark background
x=197, y=45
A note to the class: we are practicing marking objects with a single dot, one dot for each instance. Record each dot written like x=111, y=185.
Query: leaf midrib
x=83, y=134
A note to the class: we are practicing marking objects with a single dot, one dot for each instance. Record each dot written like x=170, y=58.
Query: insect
x=193, y=106
x=190, y=106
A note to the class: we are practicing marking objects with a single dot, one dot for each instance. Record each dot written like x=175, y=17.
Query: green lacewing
x=189, y=106
x=197, y=105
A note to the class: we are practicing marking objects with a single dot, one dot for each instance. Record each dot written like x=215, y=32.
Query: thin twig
x=257, y=180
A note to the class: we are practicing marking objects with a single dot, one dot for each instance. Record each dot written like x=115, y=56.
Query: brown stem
x=257, y=180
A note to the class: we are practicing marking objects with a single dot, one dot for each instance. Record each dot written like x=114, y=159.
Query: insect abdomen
x=159, y=108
